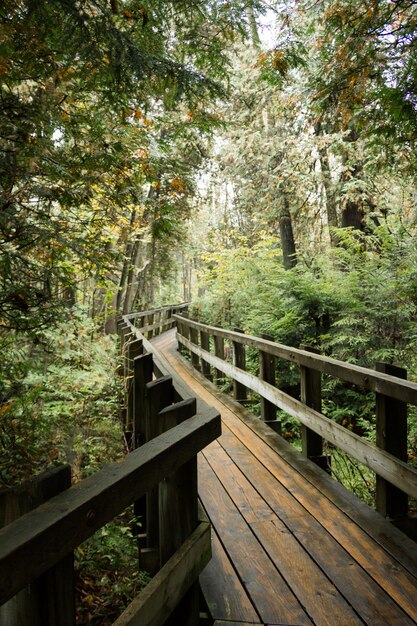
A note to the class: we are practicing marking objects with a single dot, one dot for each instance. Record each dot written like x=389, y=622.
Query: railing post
x=219, y=352
x=143, y=369
x=185, y=332
x=159, y=394
x=168, y=317
x=240, y=393
x=179, y=513
x=149, y=321
x=205, y=344
x=267, y=373
x=195, y=361
x=391, y=436
x=157, y=319
x=312, y=443
x=134, y=349
x=50, y=600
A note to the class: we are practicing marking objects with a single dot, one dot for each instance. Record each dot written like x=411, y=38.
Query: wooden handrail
x=55, y=528
x=170, y=434
x=384, y=464
x=379, y=382
x=395, y=479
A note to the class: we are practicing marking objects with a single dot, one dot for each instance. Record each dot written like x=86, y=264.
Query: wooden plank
x=205, y=344
x=266, y=588
x=50, y=599
x=223, y=591
x=267, y=373
x=228, y=623
x=386, y=465
x=292, y=490
x=57, y=527
x=319, y=597
x=162, y=594
x=365, y=377
x=170, y=307
x=310, y=386
x=399, y=554
x=391, y=435
x=395, y=543
x=240, y=392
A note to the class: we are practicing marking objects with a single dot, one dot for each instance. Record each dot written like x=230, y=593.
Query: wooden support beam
x=159, y=394
x=391, y=436
x=178, y=511
x=195, y=361
x=267, y=373
x=150, y=319
x=134, y=349
x=205, y=344
x=312, y=443
x=219, y=353
x=50, y=599
x=143, y=368
x=163, y=593
x=240, y=392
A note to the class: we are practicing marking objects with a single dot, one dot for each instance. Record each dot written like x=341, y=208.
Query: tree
x=79, y=81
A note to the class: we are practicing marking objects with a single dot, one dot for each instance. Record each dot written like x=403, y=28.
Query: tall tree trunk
x=125, y=269
x=353, y=212
x=329, y=188
x=152, y=272
x=287, y=237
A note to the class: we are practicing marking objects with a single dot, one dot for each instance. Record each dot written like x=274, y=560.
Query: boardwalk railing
x=159, y=478
x=388, y=458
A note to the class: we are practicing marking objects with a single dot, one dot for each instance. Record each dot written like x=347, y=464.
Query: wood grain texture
x=384, y=464
x=371, y=564
x=319, y=597
x=58, y=526
x=365, y=377
x=157, y=601
x=274, y=600
x=223, y=590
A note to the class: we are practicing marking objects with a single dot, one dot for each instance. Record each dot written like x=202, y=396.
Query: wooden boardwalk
x=290, y=545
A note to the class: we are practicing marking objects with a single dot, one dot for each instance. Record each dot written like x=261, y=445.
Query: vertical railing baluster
x=240, y=392
x=312, y=443
x=391, y=436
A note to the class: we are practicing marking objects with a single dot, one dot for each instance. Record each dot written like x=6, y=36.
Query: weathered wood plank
x=240, y=392
x=50, y=599
x=360, y=547
x=156, y=602
x=391, y=435
x=402, y=549
x=367, y=378
x=223, y=590
x=315, y=592
x=57, y=527
x=171, y=307
x=267, y=373
x=268, y=591
x=227, y=623
x=384, y=464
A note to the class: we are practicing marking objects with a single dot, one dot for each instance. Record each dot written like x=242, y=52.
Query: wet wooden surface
x=290, y=545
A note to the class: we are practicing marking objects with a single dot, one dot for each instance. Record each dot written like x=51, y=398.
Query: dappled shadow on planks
x=290, y=545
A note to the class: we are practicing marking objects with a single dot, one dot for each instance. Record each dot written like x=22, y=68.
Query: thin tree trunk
x=329, y=189
x=287, y=237
x=256, y=42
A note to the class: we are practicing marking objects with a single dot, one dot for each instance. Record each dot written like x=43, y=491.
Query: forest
x=255, y=157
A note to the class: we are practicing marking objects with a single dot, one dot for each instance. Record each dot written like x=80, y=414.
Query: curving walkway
x=290, y=545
